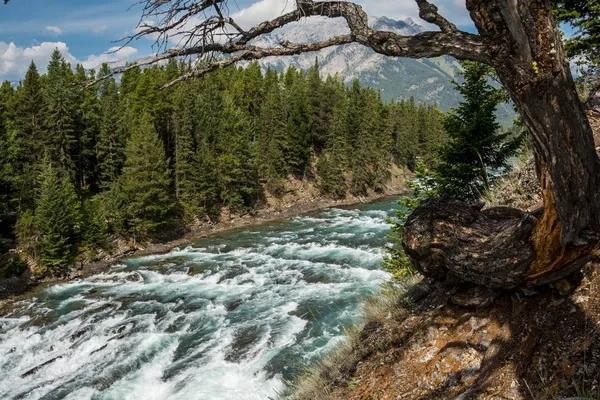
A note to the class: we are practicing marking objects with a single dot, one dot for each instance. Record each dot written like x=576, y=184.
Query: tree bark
x=528, y=55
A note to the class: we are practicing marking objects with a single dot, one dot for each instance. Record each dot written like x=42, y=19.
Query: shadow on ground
x=469, y=343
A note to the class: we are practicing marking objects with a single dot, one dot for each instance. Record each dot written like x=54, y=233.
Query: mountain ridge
x=427, y=80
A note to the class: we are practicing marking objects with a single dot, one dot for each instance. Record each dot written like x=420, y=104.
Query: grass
x=320, y=380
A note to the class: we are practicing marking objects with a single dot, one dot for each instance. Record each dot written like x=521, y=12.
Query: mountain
x=428, y=80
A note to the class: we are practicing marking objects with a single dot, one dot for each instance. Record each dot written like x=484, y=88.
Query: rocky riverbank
x=450, y=340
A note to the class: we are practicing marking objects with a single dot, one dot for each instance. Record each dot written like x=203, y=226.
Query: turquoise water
x=232, y=316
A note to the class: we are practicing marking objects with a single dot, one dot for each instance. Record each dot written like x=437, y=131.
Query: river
x=233, y=316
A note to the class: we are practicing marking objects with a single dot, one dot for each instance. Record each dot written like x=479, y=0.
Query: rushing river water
x=232, y=316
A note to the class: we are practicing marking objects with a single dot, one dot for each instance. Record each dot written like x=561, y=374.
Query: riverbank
x=450, y=340
x=300, y=198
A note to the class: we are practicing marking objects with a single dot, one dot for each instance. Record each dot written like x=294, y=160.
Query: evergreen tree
x=6, y=129
x=238, y=175
x=316, y=112
x=205, y=180
x=29, y=138
x=146, y=180
x=382, y=150
x=272, y=135
x=476, y=150
x=60, y=139
x=362, y=174
x=58, y=217
x=298, y=148
x=110, y=146
x=334, y=161
x=185, y=153
x=87, y=123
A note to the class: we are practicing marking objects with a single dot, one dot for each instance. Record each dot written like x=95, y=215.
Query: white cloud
x=261, y=11
x=14, y=60
x=55, y=30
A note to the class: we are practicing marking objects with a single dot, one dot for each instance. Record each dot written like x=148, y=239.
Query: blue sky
x=84, y=30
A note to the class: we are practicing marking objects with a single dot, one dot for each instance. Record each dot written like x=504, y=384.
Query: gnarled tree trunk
x=528, y=55
x=530, y=61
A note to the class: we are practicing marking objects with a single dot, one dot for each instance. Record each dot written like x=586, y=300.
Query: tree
x=29, y=138
x=272, y=135
x=237, y=172
x=518, y=39
x=584, y=17
x=58, y=218
x=111, y=141
x=87, y=123
x=7, y=97
x=146, y=180
x=584, y=44
x=475, y=150
x=60, y=139
x=334, y=161
x=297, y=154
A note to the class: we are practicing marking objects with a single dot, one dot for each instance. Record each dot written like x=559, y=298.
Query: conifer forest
x=123, y=158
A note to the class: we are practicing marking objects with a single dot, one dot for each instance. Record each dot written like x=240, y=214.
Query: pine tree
x=29, y=138
x=110, y=146
x=355, y=112
x=475, y=149
x=58, y=217
x=7, y=98
x=146, y=180
x=298, y=148
x=60, y=139
x=272, y=135
x=205, y=179
x=382, y=149
x=334, y=161
x=317, y=121
x=238, y=175
x=87, y=124
x=362, y=174
x=185, y=153
x=406, y=132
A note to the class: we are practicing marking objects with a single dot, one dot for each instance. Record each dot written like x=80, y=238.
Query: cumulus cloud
x=55, y=30
x=15, y=60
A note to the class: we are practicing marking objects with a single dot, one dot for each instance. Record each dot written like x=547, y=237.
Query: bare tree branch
x=429, y=12
x=219, y=35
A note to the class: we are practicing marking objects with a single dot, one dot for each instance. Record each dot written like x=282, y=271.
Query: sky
x=85, y=31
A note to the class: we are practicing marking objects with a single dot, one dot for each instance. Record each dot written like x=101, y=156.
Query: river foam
x=232, y=317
